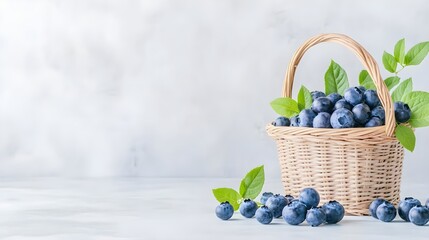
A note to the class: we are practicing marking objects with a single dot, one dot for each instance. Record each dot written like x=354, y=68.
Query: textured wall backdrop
x=172, y=88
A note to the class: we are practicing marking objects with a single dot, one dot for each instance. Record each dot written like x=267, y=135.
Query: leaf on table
x=252, y=183
x=228, y=194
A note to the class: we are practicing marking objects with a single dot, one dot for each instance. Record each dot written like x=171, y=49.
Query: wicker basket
x=353, y=166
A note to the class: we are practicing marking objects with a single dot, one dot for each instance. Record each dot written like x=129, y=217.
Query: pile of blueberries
x=409, y=209
x=358, y=108
x=294, y=211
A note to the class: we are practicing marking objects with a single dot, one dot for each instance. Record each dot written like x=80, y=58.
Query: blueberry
x=386, y=212
x=265, y=196
x=419, y=215
x=317, y=94
x=276, y=203
x=248, y=208
x=378, y=112
x=322, y=120
x=374, y=122
x=264, y=215
x=405, y=207
x=354, y=96
x=289, y=198
x=310, y=197
x=371, y=99
x=294, y=121
x=306, y=118
x=402, y=112
x=361, y=113
x=224, y=211
x=334, y=211
x=342, y=118
x=342, y=103
x=281, y=121
x=315, y=217
x=322, y=104
x=374, y=205
x=361, y=88
x=294, y=213
x=334, y=97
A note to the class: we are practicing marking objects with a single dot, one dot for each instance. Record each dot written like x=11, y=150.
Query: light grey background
x=173, y=88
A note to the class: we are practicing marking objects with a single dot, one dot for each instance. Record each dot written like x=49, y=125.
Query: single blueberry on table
x=374, y=205
x=386, y=212
x=264, y=215
x=342, y=118
x=419, y=215
x=322, y=104
x=248, y=208
x=289, y=198
x=310, y=197
x=371, y=99
x=276, y=203
x=315, y=216
x=306, y=118
x=374, y=122
x=317, y=94
x=354, y=95
x=334, y=211
x=402, y=112
x=294, y=121
x=334, y=97
x=342, y=103
x=294, y=213
x=265, y=196
x=361, y=113
x=322, y=120
x=379, y=113
x=281, y=121
x=224, y=211
x=405, y=207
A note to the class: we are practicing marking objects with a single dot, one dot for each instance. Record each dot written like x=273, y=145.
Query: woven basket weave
x=353, y=166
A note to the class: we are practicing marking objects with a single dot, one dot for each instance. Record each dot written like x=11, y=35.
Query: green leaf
x=391, y=82
x=399, y=51
x=366, y=80
x=417, y=53
x=228, y=194
x=252, y=183
x=336, y=80
x=418, y=102
x=406, y=137
x=389, y=62
x=304, y=98
x=285, y=106
x=403, y=89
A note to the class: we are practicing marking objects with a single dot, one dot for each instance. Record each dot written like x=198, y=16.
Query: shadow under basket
x=351, y=165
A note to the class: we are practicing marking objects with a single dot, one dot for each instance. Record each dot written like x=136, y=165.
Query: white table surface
x=148, y=208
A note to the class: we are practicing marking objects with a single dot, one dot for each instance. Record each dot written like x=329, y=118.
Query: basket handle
x=366, y=59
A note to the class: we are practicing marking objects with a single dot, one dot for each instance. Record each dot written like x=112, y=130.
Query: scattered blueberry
x=265, y=196
x=294, y=213
x=419, y=215
x=264, y=215
x=342, y=103
x=378, y=112
x=322, y=104
x=374, y=205
x=306, y=117
x=315, y=216
x=334, y=211
x=354, y=95
x=294, y=121
x=402, y=112
x=248, y=208
x=224, y=211
x=322, y=120
x=405, y=207
x=342, y=118
x=310, y=197
x=386, y=212
x=374, y=122
x=334, y=97
x=317, y=94
x=281, y=121
x=276, y=203
x=361, y=113
x=371, y=99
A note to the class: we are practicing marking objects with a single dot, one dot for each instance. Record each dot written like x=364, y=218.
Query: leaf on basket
x=228, y=194
x=285, y=106
x=417, y=53
x=403, y=89
x=418, y=101
x=336, y=80
x=304, y=98
x=252, y=183
x=366, y=80
x=391, y=82
x=389, y=62
x=399, y=51
x=406, y=137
